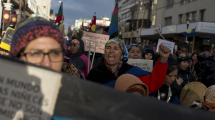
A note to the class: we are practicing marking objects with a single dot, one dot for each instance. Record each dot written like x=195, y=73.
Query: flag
x=113, y=29
x=13, y=19
x=189, y=32
x=6, y=16
x=59, y=16
x=92, y=27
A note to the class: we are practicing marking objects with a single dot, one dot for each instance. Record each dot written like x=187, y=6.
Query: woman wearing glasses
x=39, y=42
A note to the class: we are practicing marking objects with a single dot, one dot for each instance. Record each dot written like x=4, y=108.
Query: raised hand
x=164, y=52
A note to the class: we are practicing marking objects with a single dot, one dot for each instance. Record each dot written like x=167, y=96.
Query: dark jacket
x=207, y=72
x=187, y=76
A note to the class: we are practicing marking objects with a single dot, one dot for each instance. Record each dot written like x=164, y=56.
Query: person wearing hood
x=148, y=53
x=165, y=93
x=207, y=69
x=114, y=65
x=134, y=51
x=40, y=42
x=184, y=75
x=77, y=57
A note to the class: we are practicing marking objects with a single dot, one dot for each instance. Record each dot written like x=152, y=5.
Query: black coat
x=165, y=89
x=101, y=74
x=187, y=76
x=207, y=72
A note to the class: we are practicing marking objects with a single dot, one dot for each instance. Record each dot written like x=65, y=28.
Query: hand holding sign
x=164, y=52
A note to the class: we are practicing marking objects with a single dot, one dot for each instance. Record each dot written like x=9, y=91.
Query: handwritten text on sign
x=166, y=43
x=27, y=92
x=146, y=65
x=94, y=38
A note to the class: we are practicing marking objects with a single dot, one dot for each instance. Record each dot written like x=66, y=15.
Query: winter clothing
x=148, y=49
x=206, y=53
x=31, y=29
x=131, y=46
x=187, y=76
x=122, y=47
x=183, y=57
x=207, y=72
x=101, y=74
x=79, y=60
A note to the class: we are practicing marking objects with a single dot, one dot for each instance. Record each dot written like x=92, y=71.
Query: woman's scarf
x=117, y=69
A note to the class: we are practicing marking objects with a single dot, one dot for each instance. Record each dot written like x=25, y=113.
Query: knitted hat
x=122, y=46
x=31, y=29
x=148, y=49
x=183, y=57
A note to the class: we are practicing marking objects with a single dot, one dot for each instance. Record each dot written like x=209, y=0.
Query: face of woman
x=74, y=48
x=148, y=56
x=113, y=54
x=194, y=57
x=34, y=53
x=171, y=77
x=184, y=65
x=135, y=53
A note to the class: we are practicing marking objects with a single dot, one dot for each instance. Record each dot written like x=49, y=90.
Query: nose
x=111, y=50
x=46, y=61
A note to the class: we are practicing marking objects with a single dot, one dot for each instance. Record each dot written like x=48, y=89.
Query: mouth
x=111, y=57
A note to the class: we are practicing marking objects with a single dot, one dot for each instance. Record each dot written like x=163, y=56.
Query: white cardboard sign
x=166, y=43
x=27, y=92
x=146, y=65
x=94, y=38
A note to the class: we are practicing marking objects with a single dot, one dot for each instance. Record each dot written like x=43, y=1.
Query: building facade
x=173, y=17
x=43, y=7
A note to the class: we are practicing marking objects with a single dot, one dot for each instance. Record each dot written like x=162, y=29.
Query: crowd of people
x=40, y=42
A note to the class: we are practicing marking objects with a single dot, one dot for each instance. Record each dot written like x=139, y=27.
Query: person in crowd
x=114, y=65
x=195, y=62
x=165, y=92
x=207, y=69
x=134, y=51
x=131, y=84
x=183, y=48
x=184, y=75
x=4, y=52
x=148, y=53
x=77, y=57
x=154, y=47
x=208, y=100
x=40, y=42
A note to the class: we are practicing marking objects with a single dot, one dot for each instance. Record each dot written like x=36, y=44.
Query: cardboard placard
x=146, y=65
x=166, y=43
x=94, y=38
x=6, y=41
x=27, y=92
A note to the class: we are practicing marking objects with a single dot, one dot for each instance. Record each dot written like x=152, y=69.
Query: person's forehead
x=184, y=49
x=112, y=44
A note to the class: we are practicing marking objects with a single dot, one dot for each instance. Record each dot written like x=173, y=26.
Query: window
x=202, y=15
x=125, y=15
x=169, y=4
x=187, y=1
x=126, y=3
x=168, y=21
x=44, y=7
x=191, y=17
x=181, y=19
x=153, y=19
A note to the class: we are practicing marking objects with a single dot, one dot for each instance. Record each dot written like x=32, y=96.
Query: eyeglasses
x=38, y=57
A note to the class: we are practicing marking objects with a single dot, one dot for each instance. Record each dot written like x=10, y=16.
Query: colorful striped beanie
x=31, y=29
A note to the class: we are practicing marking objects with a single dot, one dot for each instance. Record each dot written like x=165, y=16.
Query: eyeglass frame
x=24, y=54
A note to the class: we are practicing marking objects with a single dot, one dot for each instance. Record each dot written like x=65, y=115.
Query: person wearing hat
x=165, y=93
x=148, y=53
x=207, y=70
x=40, y=42
x=131, y=84
x=76, y=55
x=184, y=75
x=114, y=65
x=134, y=51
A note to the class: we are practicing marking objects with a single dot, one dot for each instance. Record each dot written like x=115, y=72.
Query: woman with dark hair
x=165, y=92
x=114, y=65
x=195, y=62
x=134, y=51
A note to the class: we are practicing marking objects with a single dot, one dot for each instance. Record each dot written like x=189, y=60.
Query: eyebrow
x=39, y=50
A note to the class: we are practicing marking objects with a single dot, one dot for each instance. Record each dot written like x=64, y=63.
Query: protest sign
x=166, y=43
x=27, y=92
x=6, y=41
x=146, y=65
x=94, y=38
